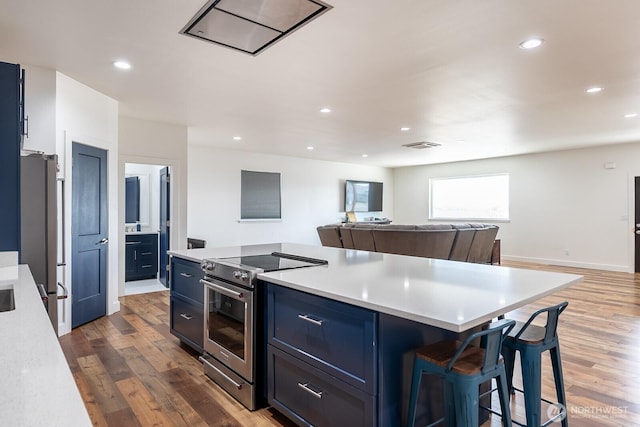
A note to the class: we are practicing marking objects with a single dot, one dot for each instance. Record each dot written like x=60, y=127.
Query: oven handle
x=223, y=290
x=225, y=376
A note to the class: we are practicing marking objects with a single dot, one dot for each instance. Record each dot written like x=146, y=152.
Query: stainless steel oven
x=233, y=343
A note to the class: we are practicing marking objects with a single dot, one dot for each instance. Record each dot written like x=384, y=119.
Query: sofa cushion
x=345, y=236
x=330, y=235
x=363, y=239
x=422, y=243
x=482, y=244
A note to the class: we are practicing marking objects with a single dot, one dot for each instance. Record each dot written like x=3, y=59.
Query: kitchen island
x=390, y=304
x=38, y=388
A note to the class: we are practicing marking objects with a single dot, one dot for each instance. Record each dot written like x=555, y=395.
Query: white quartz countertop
x=448, y=294
x=36, y=384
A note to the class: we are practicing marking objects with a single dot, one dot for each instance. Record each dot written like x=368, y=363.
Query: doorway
x=145, y=206
x=89, y=232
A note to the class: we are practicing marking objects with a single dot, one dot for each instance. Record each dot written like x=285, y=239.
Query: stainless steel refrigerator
x=39, y=226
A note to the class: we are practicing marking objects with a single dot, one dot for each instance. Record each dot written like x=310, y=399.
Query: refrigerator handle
x=66, y=293
x=43, y=293
x=63, y=230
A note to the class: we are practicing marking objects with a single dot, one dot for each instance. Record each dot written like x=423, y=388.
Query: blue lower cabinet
x=187, y=322
x=310, y=397
x=187, y=302
x=322, y=359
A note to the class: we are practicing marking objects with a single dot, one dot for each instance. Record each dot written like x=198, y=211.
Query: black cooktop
x=275, y=261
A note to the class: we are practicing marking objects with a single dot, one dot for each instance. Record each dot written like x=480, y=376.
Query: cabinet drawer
x=142, y=239
x=311, y=397
x=185, y=279
x=335, y=337
x=187, y=322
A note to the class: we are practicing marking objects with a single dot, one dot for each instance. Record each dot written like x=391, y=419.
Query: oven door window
x=227, y=317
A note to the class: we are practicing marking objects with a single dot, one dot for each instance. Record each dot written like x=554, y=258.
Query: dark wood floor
x=132, y=372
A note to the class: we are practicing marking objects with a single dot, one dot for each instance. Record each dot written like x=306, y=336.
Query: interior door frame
x=65, y=151
x=631, y=219
x=173, y=165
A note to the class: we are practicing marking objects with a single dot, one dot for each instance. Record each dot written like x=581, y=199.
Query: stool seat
x=463, y=367
x=533, y=334
x=468, y=363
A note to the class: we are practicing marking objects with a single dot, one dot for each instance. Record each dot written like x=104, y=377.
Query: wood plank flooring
x=132, y=372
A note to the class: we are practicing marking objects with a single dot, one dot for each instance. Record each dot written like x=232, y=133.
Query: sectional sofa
x=458, y=242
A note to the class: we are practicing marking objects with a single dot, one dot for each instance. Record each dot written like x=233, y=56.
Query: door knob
x=103, y=241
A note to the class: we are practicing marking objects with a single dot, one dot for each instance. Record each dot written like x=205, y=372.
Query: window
x=260, y=195
x=483, y=197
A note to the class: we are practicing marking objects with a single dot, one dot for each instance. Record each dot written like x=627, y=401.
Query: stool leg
x=466, y=403
x=449, y=406
x=413, y=398
x=554, y=352
x=531, y=380
x=503, y=393
x=509, y=356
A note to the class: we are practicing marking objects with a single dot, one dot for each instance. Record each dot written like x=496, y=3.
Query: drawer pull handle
x=146, y=253
x=146, y=266
x=305, y=387
x=186, y=275
x=310, y=319
x=186, y=316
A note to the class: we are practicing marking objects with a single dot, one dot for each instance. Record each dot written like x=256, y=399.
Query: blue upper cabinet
x=10, y=134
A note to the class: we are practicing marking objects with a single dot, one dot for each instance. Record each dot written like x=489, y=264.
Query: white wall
x=154, y=143
x=312, y=195
x=86, y=116
x=565, y=207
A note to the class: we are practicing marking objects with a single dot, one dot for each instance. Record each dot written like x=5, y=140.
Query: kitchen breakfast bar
x=339, y=337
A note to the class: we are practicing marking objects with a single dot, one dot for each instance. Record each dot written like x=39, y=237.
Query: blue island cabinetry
x=187, y=302
x=335, y=364
x=321, y=359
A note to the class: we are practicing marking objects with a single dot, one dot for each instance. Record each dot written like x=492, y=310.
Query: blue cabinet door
x=10, y=157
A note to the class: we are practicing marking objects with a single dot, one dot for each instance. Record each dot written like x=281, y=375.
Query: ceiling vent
x=251, y=26
x=421, y=145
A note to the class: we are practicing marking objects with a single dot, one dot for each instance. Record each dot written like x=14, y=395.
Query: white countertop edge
x=454, y=327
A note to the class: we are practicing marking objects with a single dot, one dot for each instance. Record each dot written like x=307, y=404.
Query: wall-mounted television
x=362, y=196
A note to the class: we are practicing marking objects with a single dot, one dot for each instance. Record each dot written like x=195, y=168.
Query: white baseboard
x=565, y=263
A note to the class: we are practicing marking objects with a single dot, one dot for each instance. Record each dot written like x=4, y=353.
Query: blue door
x=88, y=234
x=164, y=224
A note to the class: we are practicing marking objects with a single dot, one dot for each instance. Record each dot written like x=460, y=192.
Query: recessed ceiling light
x=325, y=110
x=237, y=138
x=309, y=148
x=123, y=65
x=531, y=43
x=405, y=129
x=630, y=115
x=365, y=155
x=594, y=89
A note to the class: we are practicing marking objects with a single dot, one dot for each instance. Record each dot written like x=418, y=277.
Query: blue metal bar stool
x=463, y=367
x=531, y=340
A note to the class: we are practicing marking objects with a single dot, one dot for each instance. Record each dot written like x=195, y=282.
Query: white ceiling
x=451, y=70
